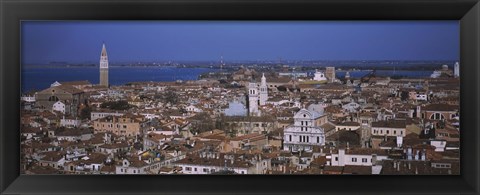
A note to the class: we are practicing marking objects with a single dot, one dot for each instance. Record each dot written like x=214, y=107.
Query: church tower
x=104, y=67
x=253, y=99
x=263, y=91
x=456, y=70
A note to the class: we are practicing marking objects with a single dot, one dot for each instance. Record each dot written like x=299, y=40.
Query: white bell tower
x=253, y=99
x=263, y=91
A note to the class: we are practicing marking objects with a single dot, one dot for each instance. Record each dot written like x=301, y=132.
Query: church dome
x=444, y=67
x=316, y=108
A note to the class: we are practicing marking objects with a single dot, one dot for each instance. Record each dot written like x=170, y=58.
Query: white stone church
x=306, y=131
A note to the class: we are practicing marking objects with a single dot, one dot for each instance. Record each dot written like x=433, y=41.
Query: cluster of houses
x=245, y=123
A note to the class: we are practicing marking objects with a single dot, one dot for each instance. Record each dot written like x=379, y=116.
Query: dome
x=316, y=108
x=445, y=67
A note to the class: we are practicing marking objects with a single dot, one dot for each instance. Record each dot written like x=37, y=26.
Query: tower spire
x=104, y=66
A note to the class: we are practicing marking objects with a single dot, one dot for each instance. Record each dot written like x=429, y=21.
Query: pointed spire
x=104, y=50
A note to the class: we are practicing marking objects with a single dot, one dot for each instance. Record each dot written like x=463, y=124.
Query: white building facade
x=305, y=132
x=343, y=158
x=59, y=106
x=319, y=76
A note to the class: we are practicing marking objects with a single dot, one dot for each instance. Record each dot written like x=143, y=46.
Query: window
x=205, y=170
x=308, y=139
x=336, y=158
x=354, y=159
x=134, y=171
x=318, y=139
x=195, y=169
x=243, y=172
x=364, y=160
x=388, y=132
x=290, y=137
x=395, y=132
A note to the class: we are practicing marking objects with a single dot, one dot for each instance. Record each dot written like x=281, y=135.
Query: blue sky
x=43, y=42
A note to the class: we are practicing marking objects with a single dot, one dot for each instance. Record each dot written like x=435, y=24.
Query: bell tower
x=253, y=99
x=263, y=91
x=104, y=67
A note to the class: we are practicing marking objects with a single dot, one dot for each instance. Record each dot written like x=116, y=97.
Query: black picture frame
x=14, y=11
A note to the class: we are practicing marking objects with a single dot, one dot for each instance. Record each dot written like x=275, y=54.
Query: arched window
x=53, y=99
x=437, y=116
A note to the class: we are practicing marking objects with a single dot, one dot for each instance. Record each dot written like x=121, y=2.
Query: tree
x=205, y=124
x=350, y=137
x=171, y=97
x=282, y=88
x=404, y=95
x=85, y=113
x=116, y=105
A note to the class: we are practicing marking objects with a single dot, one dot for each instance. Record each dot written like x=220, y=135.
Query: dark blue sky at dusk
x=78, y=42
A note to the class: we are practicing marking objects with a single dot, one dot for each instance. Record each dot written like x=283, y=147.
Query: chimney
x=399, y=141
x=409, y=153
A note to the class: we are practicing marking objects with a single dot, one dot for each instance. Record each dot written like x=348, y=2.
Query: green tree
x=116, y=105
x=171, y=97
x=85, y=113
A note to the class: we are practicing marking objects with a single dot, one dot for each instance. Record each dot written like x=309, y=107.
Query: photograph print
x=240, y=97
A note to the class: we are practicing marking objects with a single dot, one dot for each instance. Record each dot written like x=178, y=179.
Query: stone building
x=72, y=97
x=306, y=132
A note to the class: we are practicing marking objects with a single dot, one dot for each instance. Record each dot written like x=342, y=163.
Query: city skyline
x=78, y=42
x=248, y=119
